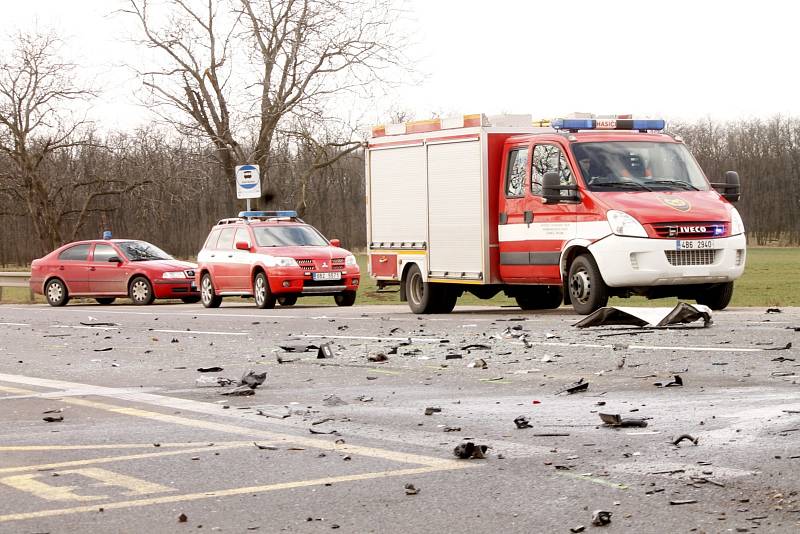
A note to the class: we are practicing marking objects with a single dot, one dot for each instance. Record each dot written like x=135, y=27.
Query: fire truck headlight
x=737, y=225
x=623, y=224
x=350, y=261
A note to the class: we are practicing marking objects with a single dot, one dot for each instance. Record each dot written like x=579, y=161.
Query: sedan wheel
x=141, y=292
x=56, y=293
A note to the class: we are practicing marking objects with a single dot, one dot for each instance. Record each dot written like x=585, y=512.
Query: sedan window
x=76, y=253
x=142, y=251
x=103, y=252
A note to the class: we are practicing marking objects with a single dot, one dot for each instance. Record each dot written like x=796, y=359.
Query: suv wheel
x=207, y=295
x=345, y=298
x=264, y=297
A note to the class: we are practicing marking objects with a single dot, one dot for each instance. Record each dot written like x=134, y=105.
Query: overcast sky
x=678, y=59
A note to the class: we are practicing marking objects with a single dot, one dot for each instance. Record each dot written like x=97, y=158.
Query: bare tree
x=239, y=71
x=39, y=134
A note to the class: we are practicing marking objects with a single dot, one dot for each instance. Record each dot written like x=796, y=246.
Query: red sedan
x=107, y=269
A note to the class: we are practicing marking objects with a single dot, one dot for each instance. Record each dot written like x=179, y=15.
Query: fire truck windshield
x=618, y=165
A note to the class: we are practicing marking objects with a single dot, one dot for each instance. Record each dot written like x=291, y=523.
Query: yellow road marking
x=261, y=434
x=22, y=448
x=37, y=488
x=111, y=459
x=231, y=492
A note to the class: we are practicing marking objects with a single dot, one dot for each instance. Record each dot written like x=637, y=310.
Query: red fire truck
x=573, y=211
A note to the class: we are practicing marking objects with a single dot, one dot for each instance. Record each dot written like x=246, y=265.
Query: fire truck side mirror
x=730, y=187
x=552, y=188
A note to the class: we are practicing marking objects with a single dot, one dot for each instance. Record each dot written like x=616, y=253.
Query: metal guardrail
x=15, y=279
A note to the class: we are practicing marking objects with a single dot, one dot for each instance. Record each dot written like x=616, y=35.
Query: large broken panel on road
x=682, y=313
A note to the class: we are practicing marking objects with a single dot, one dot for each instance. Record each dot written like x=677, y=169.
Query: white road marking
x=644, y=347
x=374, y=338
x=81, y=327
x=14, y=324
x=218, y=314
x=203, y=332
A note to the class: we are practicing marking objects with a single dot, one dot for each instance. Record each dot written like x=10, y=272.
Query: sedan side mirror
x=242, y=245
x=336, y=243
x=115, y=259
x=730, y=187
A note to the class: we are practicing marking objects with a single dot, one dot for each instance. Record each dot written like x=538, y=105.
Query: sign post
x=248, y=182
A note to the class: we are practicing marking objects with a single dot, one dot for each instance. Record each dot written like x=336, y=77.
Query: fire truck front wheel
x=427, y=297
x=587, y=290
x=717, y=297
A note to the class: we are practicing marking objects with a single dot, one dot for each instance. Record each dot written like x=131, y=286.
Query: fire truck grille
x=699, y=230
x=691, y=257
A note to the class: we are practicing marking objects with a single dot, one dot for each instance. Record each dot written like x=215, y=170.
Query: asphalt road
x=142, y=445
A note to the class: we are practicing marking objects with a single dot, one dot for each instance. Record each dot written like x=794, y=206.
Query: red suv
x=273, y=256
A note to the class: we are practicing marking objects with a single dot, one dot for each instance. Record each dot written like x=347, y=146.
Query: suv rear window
x=226, y=239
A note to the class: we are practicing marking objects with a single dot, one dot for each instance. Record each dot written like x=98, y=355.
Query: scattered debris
x=241, y=391
x=476, y=346
x=601, y=518
x=252, y=379
x=56, y=410
x=98, y=324
x=682, y=313
x=784, y=347
x=209, y=369
x=325, y=351
x=676, y=381
x=769, y=310
x=452, y=357
x=522, y=422
x=364, y=398
x=452, y=429
x=315, y=431
x=298, y=348
x=480, y=363
x=683, y=501
x=333, y=400
x=617, y=420
x=411, y=490
x=53, y=418
x=682, y=437
x=579, y=528
x=378, y=357
x=576, y=387
x=470, y=450
x=432, y=410
x=213, y=381
x=265, y=447
x=182, y=518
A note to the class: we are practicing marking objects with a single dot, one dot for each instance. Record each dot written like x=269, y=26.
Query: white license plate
x=327, y=276
x=695, y=244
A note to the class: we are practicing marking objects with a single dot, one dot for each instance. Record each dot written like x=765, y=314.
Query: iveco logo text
x=693, y=229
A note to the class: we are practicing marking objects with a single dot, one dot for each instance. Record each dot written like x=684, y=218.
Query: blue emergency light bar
x=267, y=214
x=608, y=124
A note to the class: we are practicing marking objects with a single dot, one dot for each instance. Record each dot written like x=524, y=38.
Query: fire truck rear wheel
x=427, y=297
x=717, y=297
x=587, y=290
x=541, y=298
